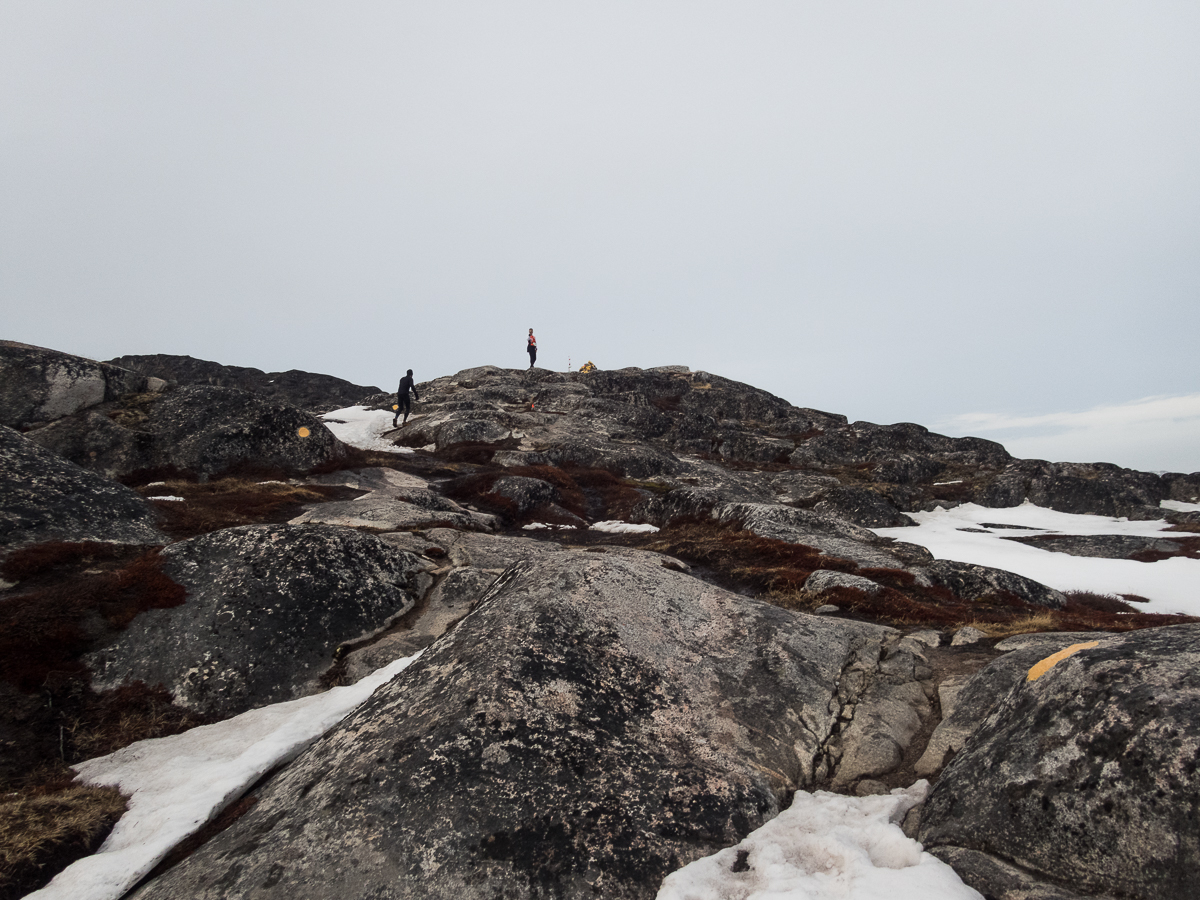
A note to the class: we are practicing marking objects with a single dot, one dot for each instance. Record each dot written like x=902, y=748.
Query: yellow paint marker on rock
x=303, y=432
x=1050, y=662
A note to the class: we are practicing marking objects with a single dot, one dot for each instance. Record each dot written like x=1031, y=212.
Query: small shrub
x=1099, y=602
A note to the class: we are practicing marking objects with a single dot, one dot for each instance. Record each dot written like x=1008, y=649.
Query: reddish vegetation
x=776, y=571
x=53, y=618
x=1188, y=547
x=230, y=502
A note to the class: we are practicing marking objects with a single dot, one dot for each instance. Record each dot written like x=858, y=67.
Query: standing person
x=403, y=403
x=531, y=348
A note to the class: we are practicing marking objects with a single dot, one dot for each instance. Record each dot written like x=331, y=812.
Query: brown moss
x=1090, y=600
x=49, y=623
x=28, y=562
x=229, y=502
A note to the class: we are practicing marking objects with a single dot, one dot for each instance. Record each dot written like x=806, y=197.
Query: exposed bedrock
x=1093, y=488
x=625, y=720
x=267, y=608
x=39, y=385
x=655, y=422
x=1086, y=776
x=195, y=429
x=973, y=582
x=307, y=390
x=45, y=498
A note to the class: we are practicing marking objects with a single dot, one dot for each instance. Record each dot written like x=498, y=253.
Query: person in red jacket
x=531, y=348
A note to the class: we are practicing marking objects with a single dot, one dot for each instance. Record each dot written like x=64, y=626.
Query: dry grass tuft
x=1028, y=624
x=42, y=832
x=104, y=723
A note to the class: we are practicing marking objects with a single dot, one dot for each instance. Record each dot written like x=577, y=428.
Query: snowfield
x=177, y=785
x=363, y=428
x=825, y=847
x=1171, y=585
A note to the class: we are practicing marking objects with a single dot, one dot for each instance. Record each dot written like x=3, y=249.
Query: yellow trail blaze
x=1050, y=662
x=303, y=432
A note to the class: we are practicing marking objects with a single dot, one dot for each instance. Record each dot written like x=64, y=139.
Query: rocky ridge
x=595, y=710
x=308, y=391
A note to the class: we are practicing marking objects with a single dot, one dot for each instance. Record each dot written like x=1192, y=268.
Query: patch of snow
x=956, y=534
x=616, y=526
x=167, y=497
x=1179, y=506
x=363, y=428
x=178, y=784
x=537, y=526
x=825, y=847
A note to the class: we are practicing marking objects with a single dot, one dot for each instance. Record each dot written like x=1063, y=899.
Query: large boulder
x=200, y=430
x=832, y=535
x=1084, y=777
x=1092, y=488
x=1109, y=546
x=862, y=507
x=972, y=582
x=39, y=385
x=902, y=452
x=267, y=609
x=969, y=700
x=596, y=722
x=45, y=498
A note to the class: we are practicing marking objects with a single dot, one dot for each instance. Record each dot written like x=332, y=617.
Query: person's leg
x=406, y=405
x=399, y=403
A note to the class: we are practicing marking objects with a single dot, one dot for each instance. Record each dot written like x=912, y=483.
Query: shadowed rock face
x=622, y=720
x=305, y=390
x=198, y=429
x=267, y=608
x=39, y=386
x=1111, y=546
x=43, y=498
x=1093, y=488
x=973, y=582
x=1087, y=776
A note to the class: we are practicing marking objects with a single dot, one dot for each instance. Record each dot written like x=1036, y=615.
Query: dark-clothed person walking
x=531, y=348
x=403, y=402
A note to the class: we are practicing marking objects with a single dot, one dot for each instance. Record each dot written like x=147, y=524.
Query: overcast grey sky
x=982, y=217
